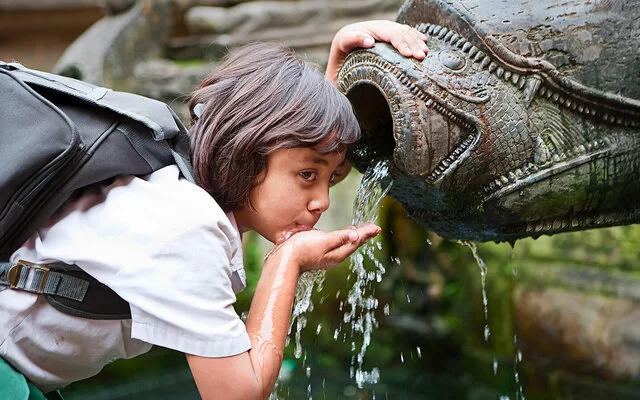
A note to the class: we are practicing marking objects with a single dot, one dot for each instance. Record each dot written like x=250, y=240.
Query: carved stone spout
x=524, y=118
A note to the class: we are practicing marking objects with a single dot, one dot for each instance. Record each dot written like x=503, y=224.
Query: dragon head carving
x=490, y=144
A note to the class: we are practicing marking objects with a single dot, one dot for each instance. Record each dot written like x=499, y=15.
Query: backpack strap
x=66, y=287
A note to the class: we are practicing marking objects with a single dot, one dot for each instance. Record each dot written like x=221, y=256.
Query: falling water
x=361, y=318
x=483, y=277
x=487, y=331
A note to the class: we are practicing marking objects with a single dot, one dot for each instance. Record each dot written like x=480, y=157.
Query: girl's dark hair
x=262, y=98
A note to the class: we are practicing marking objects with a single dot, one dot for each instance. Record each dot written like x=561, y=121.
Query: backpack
x=58, y=135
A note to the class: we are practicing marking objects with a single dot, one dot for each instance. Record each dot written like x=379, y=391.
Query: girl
x=269, y=136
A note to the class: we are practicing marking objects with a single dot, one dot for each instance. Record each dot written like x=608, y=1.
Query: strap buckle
x=15, y=273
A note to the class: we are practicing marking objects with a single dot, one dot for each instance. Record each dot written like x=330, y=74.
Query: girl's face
x=293, y=194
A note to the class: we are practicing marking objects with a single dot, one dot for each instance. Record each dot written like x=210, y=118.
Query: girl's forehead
x=310, y=155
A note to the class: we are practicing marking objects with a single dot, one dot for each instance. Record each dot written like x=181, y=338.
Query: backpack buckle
x=18, y=280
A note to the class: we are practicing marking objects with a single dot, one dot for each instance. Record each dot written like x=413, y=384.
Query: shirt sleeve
x=167, y=248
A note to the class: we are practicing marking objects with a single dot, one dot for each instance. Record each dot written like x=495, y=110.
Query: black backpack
x=58, y=135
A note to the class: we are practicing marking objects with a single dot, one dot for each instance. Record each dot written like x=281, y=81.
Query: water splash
x=361, y=317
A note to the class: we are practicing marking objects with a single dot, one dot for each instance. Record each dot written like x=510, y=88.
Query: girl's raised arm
x=407, y=40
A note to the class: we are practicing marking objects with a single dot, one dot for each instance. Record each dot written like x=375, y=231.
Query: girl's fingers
x=410, y=42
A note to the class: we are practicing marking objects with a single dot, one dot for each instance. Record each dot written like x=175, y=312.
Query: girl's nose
x=320, y=202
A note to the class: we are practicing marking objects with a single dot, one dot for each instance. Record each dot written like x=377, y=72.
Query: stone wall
x=36, y=32
x=163, y=48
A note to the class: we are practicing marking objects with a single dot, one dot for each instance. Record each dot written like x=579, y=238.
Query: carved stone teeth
x=429, y=102
x=514, y=78
x=556, y=158
x=498, y=183
x=436, y=30
x=432, y=29
x=466, y=47
x=507, y=75
x=605, y=116
x=581, y=149
x=518, y=173
x=555, y=96
x=473, y=51
x=447, y=37
x=561, y=100
x=548, y=94
x=461, y=42
x=568, y=102
x=445, y=163
x=479, y=56
x=587, y=111
x=500, y=72
x=512, y=176
x=521, y=82
x=573, y=106
x=542, y=90
x=485, y=62
x=442, y=33
x=504, y=179
x=492, y=66
x=580, y=108
x=454, y=38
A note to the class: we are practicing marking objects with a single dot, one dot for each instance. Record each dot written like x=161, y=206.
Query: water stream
x=487, y=330
x=359, y=320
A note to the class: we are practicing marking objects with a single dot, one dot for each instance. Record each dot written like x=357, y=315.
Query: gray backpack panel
x=59, y=134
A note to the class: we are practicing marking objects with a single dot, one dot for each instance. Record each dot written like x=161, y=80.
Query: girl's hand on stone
x=407, y=40
x=315, y=249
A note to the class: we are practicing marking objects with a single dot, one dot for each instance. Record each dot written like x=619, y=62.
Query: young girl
x=268, y=139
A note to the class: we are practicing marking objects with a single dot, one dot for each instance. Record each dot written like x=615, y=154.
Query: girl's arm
x=252, y=375
x=407, y=40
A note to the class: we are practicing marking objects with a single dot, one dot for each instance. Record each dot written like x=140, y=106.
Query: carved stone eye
x=451, y=59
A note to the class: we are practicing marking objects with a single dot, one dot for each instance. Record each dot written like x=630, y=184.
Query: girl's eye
x=308, y=175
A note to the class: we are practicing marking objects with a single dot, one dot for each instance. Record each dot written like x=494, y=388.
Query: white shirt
x=160, y=242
